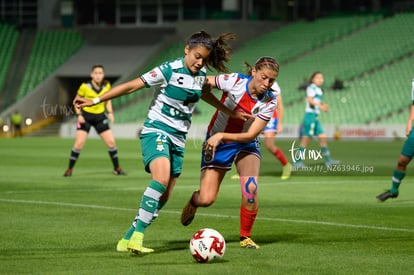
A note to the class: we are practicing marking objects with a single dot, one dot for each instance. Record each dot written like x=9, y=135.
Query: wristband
x=96, y=100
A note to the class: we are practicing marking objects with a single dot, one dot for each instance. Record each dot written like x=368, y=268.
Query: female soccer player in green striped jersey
x=311, y=125
x=163, y=136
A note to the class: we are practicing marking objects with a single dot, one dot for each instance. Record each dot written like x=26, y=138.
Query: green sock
x=128, y=234
x=397, y=177
x=326, y=154
x=299, y=156
x=149, y=204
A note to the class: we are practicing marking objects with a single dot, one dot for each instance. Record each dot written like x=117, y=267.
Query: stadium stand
x=134, y=106
x=355, y=49
x=373, y=62
x=8, y=41
x=372, y=98
x=50, y=50
x=370, y=53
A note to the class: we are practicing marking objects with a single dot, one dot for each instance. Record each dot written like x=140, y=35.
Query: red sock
x=281, y=157
x=247, y=219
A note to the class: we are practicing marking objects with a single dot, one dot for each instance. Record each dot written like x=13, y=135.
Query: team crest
x=255, y=110
x=160, y=146
x=199, y=80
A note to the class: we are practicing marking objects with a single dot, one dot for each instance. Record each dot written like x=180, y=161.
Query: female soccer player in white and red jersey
x=233, y=140
x=273, y=127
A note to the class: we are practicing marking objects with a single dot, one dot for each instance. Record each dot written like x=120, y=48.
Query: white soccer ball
x=207, y=245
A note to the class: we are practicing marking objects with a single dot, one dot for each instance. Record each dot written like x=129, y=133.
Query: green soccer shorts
x=311, y=125
x=157, y=145
x=408, y=148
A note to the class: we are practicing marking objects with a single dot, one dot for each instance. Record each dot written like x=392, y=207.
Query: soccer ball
x=207, y=245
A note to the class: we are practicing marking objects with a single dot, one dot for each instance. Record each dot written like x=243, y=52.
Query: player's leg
x=307, y=132
x=323, y=143
x=299, y=155
x=122, y=245
x=157, y=155
x=80, y=139
x=399, y=172
x=176, y=159
x=212, y=173
x=107, y=136
x=248, y=166
x=269, y=141
x=210, y=181
x=160, y=172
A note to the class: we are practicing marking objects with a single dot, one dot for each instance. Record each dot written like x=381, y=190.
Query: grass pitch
x=317, y=222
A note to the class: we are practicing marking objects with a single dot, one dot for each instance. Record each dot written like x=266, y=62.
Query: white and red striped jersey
x=236, y=96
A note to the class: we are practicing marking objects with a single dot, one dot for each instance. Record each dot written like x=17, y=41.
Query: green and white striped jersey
x=317, y=93
x=178, y=91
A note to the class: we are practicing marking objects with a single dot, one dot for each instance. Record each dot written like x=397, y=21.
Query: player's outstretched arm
x=119, y=90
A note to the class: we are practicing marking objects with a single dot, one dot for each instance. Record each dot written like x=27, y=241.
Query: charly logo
x=299, y=155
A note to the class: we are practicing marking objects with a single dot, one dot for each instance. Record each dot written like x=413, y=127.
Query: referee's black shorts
x=99, y=121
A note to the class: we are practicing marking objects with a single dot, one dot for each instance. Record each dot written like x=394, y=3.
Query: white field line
x=229, y=184
x=214, y=215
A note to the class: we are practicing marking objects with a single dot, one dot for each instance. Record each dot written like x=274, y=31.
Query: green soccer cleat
x=386, y=195
x=249, y=243
x=287, y=170
x=122, y=245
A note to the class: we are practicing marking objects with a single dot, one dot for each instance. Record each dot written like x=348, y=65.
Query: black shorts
x=98, y=121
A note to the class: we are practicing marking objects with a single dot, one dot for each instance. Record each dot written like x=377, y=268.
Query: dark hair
x=97, y=66
x=313, y=76
x=220, y=49
x=264, y=61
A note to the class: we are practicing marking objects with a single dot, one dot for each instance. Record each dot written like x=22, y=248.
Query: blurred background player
x=272, y=128
x=16, y=122
x=179, y=85
x=311, y=125
x=229, y=140
x=405, y=157
x=94, y=116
